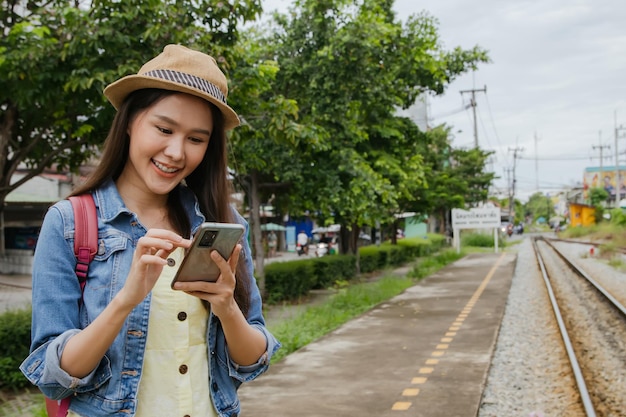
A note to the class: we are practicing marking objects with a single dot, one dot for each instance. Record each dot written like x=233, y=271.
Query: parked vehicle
x=302, y=249
x=506, y=228
x=322, y=249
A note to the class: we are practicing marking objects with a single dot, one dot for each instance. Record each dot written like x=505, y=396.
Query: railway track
x=592, y=324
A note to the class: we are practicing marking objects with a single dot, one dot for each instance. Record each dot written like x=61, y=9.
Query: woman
x=129, y=344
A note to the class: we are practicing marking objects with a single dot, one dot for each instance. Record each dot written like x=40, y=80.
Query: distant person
x=130, y=344
x=608, y=186
x=272, y=242
x=303, y=242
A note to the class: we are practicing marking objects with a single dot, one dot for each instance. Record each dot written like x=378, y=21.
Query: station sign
x=476, y=218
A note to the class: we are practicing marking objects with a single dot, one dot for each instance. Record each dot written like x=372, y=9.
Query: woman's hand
x=245, y=343
x=149, y=258
x=221, y=292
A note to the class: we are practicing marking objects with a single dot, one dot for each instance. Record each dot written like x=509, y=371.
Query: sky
x=555, y=87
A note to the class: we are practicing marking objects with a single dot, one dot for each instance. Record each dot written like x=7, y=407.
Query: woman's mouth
x=164, y=168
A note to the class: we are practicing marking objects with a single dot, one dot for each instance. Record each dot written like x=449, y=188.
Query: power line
x=555, y=158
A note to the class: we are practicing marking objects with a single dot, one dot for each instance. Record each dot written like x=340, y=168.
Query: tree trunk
x=354, y=243
x=255, y=229
x=2, y=240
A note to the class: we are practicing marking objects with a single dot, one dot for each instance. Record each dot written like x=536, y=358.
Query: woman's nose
x=175, y=148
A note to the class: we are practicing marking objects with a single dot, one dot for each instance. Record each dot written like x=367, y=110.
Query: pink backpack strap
x=85, y=233
x=56, y=408
x=85, y=248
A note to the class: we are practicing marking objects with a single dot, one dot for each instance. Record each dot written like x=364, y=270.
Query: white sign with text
x=476, y=218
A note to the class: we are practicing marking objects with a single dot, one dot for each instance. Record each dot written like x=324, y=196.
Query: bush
x=480, y=240
x=618, y=216
x=289, y=280
x=15, y=335
x=294, y=279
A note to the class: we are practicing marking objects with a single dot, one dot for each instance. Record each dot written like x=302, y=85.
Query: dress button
x=171, y=262
x=214, y=386
x=182, y=316
x=182, y=369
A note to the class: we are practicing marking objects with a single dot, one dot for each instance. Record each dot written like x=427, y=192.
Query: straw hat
x=182, y=69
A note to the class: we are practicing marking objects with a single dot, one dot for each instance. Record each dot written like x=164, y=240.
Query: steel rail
x=578, y=375
x=614, y=302
x=584, y=242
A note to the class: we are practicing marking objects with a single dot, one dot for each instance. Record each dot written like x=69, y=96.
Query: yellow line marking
x=401, y=406
x=446, y=339
x=411, y=392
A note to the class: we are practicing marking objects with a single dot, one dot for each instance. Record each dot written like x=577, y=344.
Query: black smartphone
x=197, y=264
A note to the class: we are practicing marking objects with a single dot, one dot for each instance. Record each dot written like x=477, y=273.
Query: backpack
x=85, y=248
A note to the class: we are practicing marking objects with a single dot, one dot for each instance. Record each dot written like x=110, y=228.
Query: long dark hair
x=209, y=181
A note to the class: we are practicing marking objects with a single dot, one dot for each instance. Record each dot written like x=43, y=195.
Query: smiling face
x=167, y=142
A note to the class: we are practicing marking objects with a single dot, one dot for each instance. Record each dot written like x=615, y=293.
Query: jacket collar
x=111, y=205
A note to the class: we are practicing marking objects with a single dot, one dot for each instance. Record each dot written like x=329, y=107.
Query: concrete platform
x=425, y=353
x=15, y=292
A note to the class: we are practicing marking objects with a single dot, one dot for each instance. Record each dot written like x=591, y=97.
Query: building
x=23, y=214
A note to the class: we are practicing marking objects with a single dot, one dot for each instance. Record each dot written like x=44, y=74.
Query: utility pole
x=473, y=92
x=618, y=181
x=601, y=147
x=512, y=195
x=536, y=164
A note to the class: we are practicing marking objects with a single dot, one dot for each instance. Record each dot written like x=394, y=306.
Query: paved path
x=425, y=353
x=15, y=292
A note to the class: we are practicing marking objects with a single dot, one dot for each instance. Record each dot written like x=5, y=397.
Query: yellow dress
x=175, y=376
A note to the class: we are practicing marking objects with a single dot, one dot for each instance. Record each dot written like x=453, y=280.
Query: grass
x=611, y=240
x=603, y=232
x=28, y=403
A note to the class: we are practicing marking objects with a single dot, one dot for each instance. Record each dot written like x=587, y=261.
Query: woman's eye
x=164, y=130
x=196, y=140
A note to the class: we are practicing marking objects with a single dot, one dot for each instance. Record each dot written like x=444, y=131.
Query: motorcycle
x=322, y=249
x=302, y=249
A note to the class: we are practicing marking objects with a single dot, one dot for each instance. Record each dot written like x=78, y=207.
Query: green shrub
x=289, y=280
x=371, y=258
x=480, y=240
x=618, y=216
x=294, y=279
x=329, y=269
x=15, y=335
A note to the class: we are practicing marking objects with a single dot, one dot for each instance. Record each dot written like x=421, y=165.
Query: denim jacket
x=58, y=314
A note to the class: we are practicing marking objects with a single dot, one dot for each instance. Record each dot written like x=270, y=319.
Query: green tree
x=56, y=58
x=455, y=178
x=540, y=205
x=264, y=147
x=597, y=198
x=350, y=66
